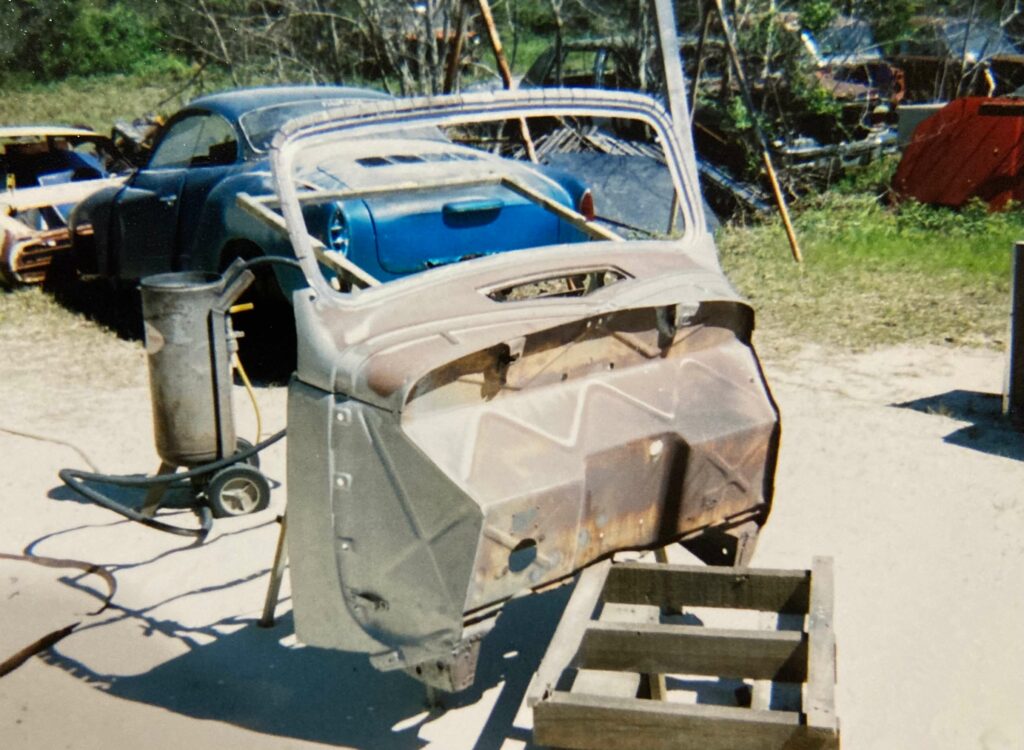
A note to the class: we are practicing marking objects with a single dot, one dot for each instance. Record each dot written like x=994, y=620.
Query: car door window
x=216, y=144
x=196, y=141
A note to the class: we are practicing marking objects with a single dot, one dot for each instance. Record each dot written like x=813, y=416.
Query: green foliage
x=58, y=38
x=874, y=178
x=816, y=14
x=891, y=18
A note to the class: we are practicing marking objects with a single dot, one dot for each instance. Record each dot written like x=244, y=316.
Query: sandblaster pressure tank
x=189, y=345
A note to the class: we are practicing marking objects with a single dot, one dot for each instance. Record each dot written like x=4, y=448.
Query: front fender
x=221, y=223
x=91, y=236
x=224, y=228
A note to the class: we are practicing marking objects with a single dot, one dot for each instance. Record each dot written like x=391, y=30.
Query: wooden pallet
x=613, y=624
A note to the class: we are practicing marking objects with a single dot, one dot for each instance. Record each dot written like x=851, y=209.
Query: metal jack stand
x=276, y=574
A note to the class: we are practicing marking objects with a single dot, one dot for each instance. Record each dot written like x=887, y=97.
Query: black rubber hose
x=136, y=481
x=72, y=480
x=75, y=478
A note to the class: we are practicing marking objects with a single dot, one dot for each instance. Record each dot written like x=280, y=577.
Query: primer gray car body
x=453, y=445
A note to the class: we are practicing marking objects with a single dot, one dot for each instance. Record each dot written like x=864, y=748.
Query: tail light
x=585, y=205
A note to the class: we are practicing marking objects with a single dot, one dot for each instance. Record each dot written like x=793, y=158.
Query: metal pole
x=1013, y=396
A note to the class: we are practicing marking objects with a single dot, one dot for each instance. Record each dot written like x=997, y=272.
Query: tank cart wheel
x=237, y=491
x=243, y=445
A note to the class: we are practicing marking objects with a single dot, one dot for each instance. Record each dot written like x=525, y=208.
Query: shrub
x=57, y=38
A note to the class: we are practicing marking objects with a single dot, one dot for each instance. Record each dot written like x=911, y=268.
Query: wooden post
x=1013, y=397
x=451, y=73
x=505, y=71
x=780, y=199
x=704, y=30
x=276, y=574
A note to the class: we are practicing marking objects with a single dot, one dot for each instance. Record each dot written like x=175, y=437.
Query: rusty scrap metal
x=27, y=253
x=449, y=439
x=971, y=148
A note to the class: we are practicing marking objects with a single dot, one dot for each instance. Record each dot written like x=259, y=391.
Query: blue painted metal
x=186, y=218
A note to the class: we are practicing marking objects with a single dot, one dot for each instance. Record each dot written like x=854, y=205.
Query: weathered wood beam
x=819, y=700
x=585, y=722
x=566, y=640
x=690, y=585
x=694, y=650
x=335, y=261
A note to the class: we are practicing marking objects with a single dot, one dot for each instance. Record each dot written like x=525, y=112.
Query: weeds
x=877, y=275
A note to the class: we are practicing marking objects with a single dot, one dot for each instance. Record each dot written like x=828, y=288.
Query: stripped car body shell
x=452, y=446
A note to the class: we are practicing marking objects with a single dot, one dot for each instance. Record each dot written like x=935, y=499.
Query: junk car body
x=474, y=432
x=44, y=171
x=179, y=211
x=851, y=65
x=943, y=58
x=866, y=88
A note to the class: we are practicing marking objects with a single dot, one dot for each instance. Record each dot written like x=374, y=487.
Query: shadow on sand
x=989, y=431
x=250, y=679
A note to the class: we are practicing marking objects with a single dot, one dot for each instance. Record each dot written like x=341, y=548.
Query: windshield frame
x=362, y=120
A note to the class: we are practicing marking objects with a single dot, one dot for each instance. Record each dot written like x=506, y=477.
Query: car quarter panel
x=561, y=430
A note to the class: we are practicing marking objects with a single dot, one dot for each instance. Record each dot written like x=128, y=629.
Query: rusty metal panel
x=26, y=252
x=480, y=430
x=971, y=148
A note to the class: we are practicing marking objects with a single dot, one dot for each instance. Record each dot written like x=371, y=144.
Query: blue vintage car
x=180, y=212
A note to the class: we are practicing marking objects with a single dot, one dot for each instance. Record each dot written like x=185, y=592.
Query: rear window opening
x=572, y=284
x=378, y=208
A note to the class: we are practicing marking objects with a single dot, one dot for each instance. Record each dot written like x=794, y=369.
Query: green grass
x=874, y=275
x=99, y=101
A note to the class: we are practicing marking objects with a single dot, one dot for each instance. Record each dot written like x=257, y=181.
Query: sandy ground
x=892, y=462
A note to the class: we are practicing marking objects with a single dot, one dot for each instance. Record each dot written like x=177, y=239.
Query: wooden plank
x=692, y=585
x=23, y=199
x=335, y=261
x=587, y=722
x=565, y=214
x=819, y=700
x=569, y=633
x=617, y=683
x=761, y=692
x=322, y=196
x=694, y=649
